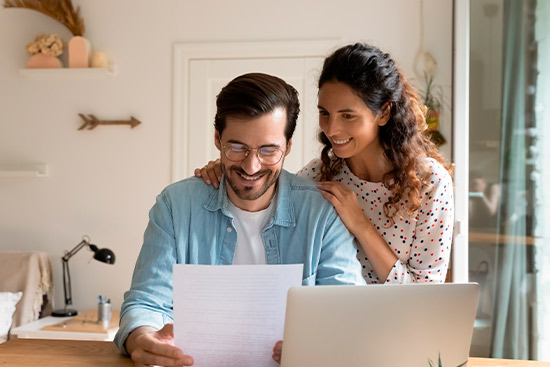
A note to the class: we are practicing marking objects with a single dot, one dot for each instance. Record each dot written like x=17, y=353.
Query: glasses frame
x=247, y=153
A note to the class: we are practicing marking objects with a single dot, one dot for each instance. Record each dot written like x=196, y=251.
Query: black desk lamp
x=104, y=255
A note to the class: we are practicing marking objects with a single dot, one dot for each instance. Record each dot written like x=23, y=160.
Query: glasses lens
x=235, y=152
x=270, y=155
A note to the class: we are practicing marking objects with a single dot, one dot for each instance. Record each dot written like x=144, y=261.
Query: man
x=261, y=214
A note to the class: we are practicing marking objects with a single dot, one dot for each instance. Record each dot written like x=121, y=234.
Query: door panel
x=202, y=69
x=208, y=77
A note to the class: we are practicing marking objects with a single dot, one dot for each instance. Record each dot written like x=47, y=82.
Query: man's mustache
x=240, y=171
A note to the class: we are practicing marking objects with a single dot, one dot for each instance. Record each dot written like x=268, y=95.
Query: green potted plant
x=432, y=97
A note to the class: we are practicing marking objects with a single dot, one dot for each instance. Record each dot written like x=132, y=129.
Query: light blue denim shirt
x=191, y=224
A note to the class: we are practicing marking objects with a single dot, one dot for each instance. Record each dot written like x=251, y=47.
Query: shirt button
x=229, y=229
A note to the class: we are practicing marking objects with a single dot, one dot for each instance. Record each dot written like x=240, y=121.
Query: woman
x=387, y=181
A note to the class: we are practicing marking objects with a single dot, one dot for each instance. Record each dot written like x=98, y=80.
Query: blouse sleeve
x=431, y=245
x=311, y=171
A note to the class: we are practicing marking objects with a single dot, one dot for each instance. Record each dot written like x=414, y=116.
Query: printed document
x=231, y=315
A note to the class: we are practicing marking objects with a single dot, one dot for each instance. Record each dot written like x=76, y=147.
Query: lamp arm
x=77, y=248
x=67, y=283
x=67, y=290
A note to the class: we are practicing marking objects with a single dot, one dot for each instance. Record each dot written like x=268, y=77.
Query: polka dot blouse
x=423, y=244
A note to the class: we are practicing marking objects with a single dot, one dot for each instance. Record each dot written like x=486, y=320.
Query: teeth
x=250, y=178
x=341, y=141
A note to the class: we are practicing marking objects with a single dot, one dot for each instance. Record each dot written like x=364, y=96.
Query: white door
x=200, y=78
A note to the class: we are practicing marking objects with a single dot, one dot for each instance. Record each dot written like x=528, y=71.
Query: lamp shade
x=105, y=255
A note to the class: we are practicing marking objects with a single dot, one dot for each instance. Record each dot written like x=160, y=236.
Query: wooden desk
x=61, y=353
x=65, y=353
x=483, y=362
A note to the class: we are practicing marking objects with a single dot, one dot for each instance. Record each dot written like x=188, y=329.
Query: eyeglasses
x=266, y=155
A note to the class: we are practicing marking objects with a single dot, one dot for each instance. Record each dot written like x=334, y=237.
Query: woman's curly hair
x=374, y=76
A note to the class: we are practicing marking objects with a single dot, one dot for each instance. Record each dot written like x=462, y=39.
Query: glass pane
x=503, y=130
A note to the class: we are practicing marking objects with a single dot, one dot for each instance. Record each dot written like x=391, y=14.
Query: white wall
x=103, y=182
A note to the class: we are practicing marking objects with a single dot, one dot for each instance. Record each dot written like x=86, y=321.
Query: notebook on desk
x=379, y=325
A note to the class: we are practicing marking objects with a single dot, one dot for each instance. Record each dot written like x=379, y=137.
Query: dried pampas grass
x=61, y=10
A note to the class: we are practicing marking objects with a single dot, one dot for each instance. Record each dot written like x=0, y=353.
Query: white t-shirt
x=249, y=225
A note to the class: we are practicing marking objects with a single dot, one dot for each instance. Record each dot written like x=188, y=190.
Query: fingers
x=332, y=187
x=211, y=173
x=330, y=198
x=157, y=349
x=167, y=332
x=214, y=172
x=278, y=348
x=160, y=347
x=144, y=358
x=277, y=351
x=218, y=170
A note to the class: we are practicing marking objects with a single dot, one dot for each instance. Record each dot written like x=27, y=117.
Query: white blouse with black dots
x=423, y=244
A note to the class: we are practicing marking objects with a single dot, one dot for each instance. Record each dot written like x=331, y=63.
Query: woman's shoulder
x=438, y=173
x=312, y=170
x=440, y=182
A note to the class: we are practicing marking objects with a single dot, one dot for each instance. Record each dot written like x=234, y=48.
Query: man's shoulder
x=300, y=183
x=304, y=193
x=186, y=188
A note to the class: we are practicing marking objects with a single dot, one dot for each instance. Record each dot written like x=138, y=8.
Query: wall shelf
x=24, y=170
x=68, y=73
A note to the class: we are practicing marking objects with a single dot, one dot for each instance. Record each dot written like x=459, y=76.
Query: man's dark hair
x=254, y=95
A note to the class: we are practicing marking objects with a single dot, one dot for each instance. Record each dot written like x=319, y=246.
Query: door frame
x=461, y=133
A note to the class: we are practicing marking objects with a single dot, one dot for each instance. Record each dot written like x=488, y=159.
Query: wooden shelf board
x=24, y=170
x=67, y=73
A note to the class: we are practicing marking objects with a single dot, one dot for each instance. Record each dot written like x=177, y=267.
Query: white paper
x=231, y=315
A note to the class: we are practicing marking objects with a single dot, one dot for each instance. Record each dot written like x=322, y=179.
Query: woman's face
x=349, y=124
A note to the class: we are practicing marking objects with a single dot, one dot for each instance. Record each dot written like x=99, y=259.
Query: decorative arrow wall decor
x=90, y=122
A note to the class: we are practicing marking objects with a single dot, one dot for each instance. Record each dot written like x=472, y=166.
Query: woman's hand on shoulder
x=345, y=202
x=211, y=173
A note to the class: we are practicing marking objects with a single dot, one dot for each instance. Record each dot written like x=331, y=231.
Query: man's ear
x=217, y=140
x=288, y=146
x=385, y=114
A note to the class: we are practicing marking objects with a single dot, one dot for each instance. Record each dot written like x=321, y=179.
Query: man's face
x=251, y=183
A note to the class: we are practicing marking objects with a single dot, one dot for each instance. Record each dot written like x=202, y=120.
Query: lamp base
x=64, y=312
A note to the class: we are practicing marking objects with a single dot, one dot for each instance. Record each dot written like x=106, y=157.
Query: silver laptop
x=379, y=325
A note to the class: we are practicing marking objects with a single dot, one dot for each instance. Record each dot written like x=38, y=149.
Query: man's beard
x=246, y=193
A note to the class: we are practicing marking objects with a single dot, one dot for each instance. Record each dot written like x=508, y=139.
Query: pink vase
x=79, y=52
x=43, y=61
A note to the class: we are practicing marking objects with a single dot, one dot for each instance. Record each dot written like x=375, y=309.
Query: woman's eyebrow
x=344, y=110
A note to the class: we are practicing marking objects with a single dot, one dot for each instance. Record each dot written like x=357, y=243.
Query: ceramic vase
x=99, y=60
x=79, y=52
x=43, y=61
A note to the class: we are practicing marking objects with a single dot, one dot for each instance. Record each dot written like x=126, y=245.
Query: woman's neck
x=369, y=167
